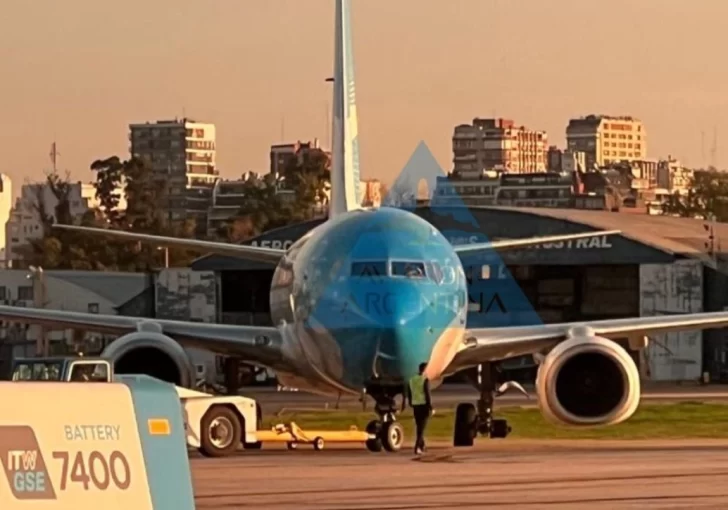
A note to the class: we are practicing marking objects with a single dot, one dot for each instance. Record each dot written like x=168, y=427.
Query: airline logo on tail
x=345, y=193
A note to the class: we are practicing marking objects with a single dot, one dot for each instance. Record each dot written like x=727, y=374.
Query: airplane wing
x=493, y=344
x=512, y=244
x=232, y=250
x=256, y=344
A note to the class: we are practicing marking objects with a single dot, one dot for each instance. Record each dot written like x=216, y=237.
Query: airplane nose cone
x=400, y=306
x=407, y=341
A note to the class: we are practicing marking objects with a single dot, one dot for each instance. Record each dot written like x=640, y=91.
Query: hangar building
x=658, y=265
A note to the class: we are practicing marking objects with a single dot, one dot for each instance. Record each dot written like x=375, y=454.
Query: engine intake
x=588, y=381
x=153, y=354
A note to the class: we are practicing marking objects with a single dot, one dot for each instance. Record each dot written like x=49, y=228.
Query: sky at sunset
x=79, y=71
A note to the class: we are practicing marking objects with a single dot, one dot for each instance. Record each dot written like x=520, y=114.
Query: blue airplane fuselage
x=365, y=298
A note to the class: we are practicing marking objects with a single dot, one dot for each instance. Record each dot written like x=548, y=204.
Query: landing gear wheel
x=221, y=432
x=291, y=445
x=375, y=444
x=499, y=429
x=318, y=444
x=392, y=436
x=466, y=420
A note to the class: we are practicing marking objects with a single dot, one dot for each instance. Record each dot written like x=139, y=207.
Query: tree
x=298, y=194
x=707, y=197
x=143, y=192
x=59, y=249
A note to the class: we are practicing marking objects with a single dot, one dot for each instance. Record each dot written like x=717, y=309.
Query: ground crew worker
x=418, y=394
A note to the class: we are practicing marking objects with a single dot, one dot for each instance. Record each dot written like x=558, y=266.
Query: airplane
x=362, y=299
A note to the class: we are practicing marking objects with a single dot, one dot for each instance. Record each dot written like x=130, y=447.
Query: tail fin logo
x=23, y=463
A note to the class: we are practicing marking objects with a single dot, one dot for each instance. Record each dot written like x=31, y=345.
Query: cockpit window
x=449, y=275
x=369, y=268
x=436, y=273
x=408, y=269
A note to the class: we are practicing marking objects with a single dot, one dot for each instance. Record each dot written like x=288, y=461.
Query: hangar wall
x=186, y=295
x=670, y=289
x=715, y=341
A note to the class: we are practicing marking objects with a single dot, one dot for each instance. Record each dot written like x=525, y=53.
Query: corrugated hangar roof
x=674, y=237
x=684, y=236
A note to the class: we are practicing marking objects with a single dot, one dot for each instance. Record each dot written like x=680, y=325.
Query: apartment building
x=24, y=222
x=673, y=176
x=371, y=192
x=182, y=154
x=6, y=206
x=282, y=154
x=498, y=144
x=607, y=139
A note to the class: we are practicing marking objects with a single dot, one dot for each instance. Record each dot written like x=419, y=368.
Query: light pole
x=166, y=256
x=37, y=276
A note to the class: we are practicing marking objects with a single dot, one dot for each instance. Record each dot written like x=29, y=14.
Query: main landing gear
x=471, y=421
x=388, y=432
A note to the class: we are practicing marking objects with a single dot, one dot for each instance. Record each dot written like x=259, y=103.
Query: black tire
x=374, y=427
x=227, y=418
x=291, y=445
x=466, y=418
x=318, y=444
x=392, y=436
x=374, y=445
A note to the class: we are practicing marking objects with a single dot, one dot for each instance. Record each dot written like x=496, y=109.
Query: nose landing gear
x=387, y=431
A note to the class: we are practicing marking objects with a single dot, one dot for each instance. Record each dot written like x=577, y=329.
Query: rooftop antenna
x=54, y=156
x=714, y=148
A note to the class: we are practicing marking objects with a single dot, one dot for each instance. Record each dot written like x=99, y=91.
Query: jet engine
x=154, y=354
x=588, y=380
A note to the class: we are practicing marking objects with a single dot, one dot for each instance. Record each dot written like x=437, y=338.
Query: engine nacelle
x=588, y=381
x=153, y=354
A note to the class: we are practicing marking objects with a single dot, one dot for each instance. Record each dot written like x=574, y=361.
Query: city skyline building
x=607, y=139
x=182, y=153
x=498, y=144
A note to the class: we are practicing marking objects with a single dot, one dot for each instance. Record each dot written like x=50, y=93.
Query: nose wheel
x=388, y=436
x=385, y=433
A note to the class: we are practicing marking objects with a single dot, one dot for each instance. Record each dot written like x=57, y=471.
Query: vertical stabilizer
x=345, y=194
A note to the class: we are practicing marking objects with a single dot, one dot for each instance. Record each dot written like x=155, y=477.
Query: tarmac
x=508, y=474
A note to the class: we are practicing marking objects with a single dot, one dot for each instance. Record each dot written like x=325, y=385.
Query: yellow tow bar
x=293, y=435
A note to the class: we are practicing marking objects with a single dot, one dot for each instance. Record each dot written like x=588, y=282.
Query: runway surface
x=449, y=396
x=509, y=474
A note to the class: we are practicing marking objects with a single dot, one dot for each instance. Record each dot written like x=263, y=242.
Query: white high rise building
x=6, y=205
x=182, y=152
x=24, y=222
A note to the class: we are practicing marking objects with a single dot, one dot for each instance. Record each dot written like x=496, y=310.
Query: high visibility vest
x=417, y=389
